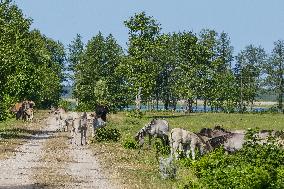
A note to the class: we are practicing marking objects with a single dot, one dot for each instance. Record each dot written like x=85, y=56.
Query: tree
x=274, y=70
x=97, y=78
x=187, y=71
x=247, y=71
x=141, y=65
x=30, y=63
x=223, y=93
x=75, y=51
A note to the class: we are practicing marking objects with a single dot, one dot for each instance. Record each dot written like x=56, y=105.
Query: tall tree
x=75, y=51
x=275, y=70
x=187, y=71
x=30, y=63
x=248, y=70
x=142, y=67
x=97, y=81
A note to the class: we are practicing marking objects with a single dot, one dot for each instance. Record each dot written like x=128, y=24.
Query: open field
x=57, y=163
x=140, y=170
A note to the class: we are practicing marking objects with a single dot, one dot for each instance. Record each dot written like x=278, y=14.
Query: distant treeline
x=173, y=66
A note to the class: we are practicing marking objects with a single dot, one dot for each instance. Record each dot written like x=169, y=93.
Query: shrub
x=135, y=114
x=130, y=144
x=280, y=177
x=104, y=134
x=5, y=104
x=168, y=168
x=66, y=105
x=160, y=148
x=254, y=166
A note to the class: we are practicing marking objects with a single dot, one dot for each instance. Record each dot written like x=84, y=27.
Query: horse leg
x=174, y=148
x=85, y=135
x=192, y=148
x=82, y=133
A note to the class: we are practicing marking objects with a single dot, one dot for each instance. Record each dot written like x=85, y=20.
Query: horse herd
x=78, y=123
x=206, y=140
x=179, y=139
x=75, y=122
x=24, y=110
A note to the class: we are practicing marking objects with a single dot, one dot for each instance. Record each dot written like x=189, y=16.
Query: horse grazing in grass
x=157, y=128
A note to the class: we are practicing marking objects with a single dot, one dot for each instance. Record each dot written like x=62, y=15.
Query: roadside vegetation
x=140, y=168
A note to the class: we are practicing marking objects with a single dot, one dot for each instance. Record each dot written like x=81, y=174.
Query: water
x=198, y=108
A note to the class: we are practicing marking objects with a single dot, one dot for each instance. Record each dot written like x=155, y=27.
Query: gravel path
x=41, y=163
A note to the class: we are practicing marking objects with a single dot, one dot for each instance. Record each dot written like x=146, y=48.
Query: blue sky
x=258, y=22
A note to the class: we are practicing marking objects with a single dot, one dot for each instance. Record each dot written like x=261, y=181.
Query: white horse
x=186, y=142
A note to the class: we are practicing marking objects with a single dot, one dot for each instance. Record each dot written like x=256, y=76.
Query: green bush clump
x=105, y=134
x=66, y=105
x=130, y=144
x=160, y=148
x=254, y=166
x=5, y=104
x=135, y=114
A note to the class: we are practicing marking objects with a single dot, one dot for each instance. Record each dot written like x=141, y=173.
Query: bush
x=135, y=114
x=66, y=105
x=104, y=134
x=160, y=148
x=130, y=144
x=254, y=166
x=5, y=104
x=167, y=167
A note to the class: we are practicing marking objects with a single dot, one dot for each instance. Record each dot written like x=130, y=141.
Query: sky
x=257, y=22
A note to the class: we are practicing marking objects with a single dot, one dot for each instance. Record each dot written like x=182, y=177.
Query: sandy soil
x=48, y=160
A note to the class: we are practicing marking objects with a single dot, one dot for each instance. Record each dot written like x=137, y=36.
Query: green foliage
x=5, y=103
x=30, y=63
x=275, y=73
x=134, y=114
x=130, y=143
x=97, y=79
x=254, y=166
x=160, y=148
x=66, y=105
x=105, y=134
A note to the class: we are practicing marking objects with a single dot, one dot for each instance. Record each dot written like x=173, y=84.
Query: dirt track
x=47, y=160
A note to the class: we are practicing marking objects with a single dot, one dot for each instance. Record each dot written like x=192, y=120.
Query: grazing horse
x=186, y=142
x=99, y=118
x=20, y=109
x=232, y=141
x=157, y=128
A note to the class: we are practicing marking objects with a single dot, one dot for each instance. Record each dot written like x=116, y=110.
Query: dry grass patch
x=16, y=132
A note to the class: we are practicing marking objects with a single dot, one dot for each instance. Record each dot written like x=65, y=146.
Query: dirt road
x=48, y=160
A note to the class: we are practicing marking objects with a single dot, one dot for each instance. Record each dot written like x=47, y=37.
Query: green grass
x=141, y=170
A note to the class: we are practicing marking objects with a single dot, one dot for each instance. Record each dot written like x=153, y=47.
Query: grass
x=141, y=170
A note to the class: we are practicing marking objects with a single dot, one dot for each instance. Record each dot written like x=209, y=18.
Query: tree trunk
x=167, y=102
x=204, y=105
x=189, y=104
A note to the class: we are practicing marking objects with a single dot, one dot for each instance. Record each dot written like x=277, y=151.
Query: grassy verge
x=140, y=170
x=15, y=132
